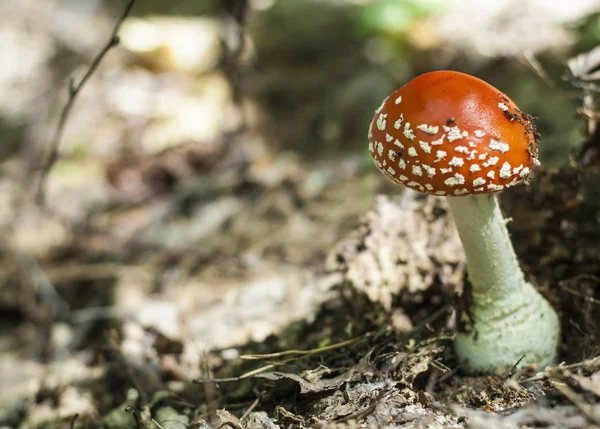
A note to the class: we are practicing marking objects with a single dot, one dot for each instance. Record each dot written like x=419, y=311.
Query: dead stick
x=250, y=409
x=74, y=90
x=587, y=409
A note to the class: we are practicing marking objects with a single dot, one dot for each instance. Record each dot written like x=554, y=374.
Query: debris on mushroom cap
x=449, y=133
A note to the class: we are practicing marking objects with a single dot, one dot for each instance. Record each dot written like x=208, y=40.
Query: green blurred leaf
x=395, y=16
x=168, y=418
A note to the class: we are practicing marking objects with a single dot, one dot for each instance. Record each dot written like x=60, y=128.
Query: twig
x=157, y=424
x=250, y=409
x=551, y=371
x=514, y=367
x=73, y=419
x=270, y=366
x=447, y=376
x=210, y=391
x=304, y=352
x=74, y=90
x=576, y=399
x=238, y=10
x=563, y=285
x=537, y=67
x=249, y=374
x=136, y=414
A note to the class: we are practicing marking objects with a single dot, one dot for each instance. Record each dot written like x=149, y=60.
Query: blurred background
x=210, y=164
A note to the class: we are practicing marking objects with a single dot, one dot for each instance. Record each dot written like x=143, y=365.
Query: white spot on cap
x=371, y=147
x=429, y=186
x=439, y=141
x=503, y=107
x=429, y=129
x=398, y=100
x=388, y=138
x=483, y=156
x=398, y=123
x=537, y=162
x=497, y=145
x=456, y=162
x=479, y=181
x=370, y=135
x=412, y=151
x=454, y=133
x=505, y=171
x=440, y=154
x=408, y=133
x=425, y=146
x=446, y=170
x=462, y=191
x=381, y=121
x=391, y=171
x=416, y=170
x=403, y=178
x=429, y=170
x=494, y=187
x=491, y=174
x=461, y=149
x=384, y=162
x=474, y=168
x=458, y=179
x=402, y=164
x=478, y=189
x=397, y=143
x=517, y=169
x=492, y=161
x=379, y=149
x=392, y=155
x=525, y=172
x=440, y=192
x=413, y=184
x=472, y=155
x=478, y=133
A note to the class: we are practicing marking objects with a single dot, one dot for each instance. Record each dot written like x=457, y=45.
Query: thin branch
x=588, y=409
x=136, y=415
x=304, y=352
x=552, y=371
x=538, y=68
x=210, y=391
x=250, y=409
x=238, y=10
x=73, y=420
x=74, y=89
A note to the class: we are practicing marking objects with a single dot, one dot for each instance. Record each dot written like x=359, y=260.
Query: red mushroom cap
x=449, y=133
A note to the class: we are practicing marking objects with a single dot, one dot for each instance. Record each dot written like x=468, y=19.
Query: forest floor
x=221, y=281
x=281, y=322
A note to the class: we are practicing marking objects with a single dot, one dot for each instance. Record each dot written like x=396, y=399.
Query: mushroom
x=451, y=134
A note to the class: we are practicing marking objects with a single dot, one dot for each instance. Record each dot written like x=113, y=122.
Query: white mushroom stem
x=507, y=320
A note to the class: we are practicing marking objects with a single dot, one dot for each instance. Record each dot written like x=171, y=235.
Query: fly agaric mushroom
x=451, y=134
